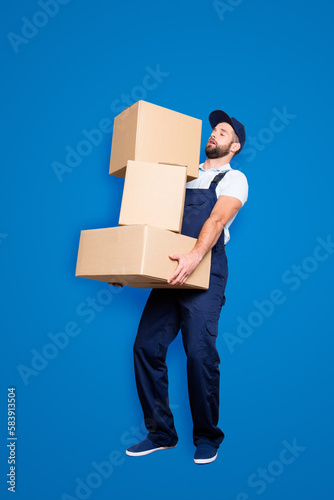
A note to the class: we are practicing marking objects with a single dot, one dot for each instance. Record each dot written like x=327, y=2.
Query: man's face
x=220, y=141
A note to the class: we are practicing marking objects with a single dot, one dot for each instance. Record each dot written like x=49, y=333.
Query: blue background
x=255, y=59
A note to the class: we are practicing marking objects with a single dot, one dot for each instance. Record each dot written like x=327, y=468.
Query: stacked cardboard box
x=157, y=151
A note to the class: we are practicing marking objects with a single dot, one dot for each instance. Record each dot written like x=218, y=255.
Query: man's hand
x=116, y=284
x=225, y=208
x=187, y=264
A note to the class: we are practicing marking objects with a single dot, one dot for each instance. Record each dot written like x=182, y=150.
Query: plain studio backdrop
x=70, y=67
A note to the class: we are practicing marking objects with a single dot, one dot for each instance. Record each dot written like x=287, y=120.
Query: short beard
x=217, y=151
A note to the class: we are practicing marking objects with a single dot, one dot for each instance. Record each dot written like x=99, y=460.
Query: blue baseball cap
x=219, y=116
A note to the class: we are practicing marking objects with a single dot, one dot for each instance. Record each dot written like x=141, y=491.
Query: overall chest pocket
x=197, y=209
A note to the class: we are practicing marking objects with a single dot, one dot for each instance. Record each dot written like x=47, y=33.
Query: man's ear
x=235, y=147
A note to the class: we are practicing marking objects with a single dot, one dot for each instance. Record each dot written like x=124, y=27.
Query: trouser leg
x=200, y=313
x=158, y=327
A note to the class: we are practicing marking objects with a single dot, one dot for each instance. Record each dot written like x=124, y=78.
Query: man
x=212, y=202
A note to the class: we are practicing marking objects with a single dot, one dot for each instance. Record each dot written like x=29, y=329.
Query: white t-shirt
x=234, y=183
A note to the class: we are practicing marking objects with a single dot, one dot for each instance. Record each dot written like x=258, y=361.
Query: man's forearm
x=208, y=237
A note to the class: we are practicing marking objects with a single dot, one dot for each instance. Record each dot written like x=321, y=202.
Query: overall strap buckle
x=217, y=179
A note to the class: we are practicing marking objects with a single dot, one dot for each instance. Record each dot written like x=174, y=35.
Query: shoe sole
x=147, y=452
x=202, y=461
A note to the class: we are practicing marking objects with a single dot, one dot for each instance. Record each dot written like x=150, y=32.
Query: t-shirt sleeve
x=234, y=183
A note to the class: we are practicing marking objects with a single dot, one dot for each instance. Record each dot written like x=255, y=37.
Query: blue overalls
x=196, y=313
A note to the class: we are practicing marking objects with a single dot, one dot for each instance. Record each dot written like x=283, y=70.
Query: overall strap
x=212, y=187
x=217, y=179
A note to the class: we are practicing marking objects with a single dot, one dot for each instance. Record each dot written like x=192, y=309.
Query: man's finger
x=172, y=278
x=183, y=279
x=174, y=256
x=180, y=279
x=175, y=274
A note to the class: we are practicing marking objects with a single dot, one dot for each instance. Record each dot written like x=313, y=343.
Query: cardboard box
x=137, y=256
x=153, y=194
x=150, y=133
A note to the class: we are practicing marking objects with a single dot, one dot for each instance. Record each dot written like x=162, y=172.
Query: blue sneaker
x=205, y=453
x=144, y=448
